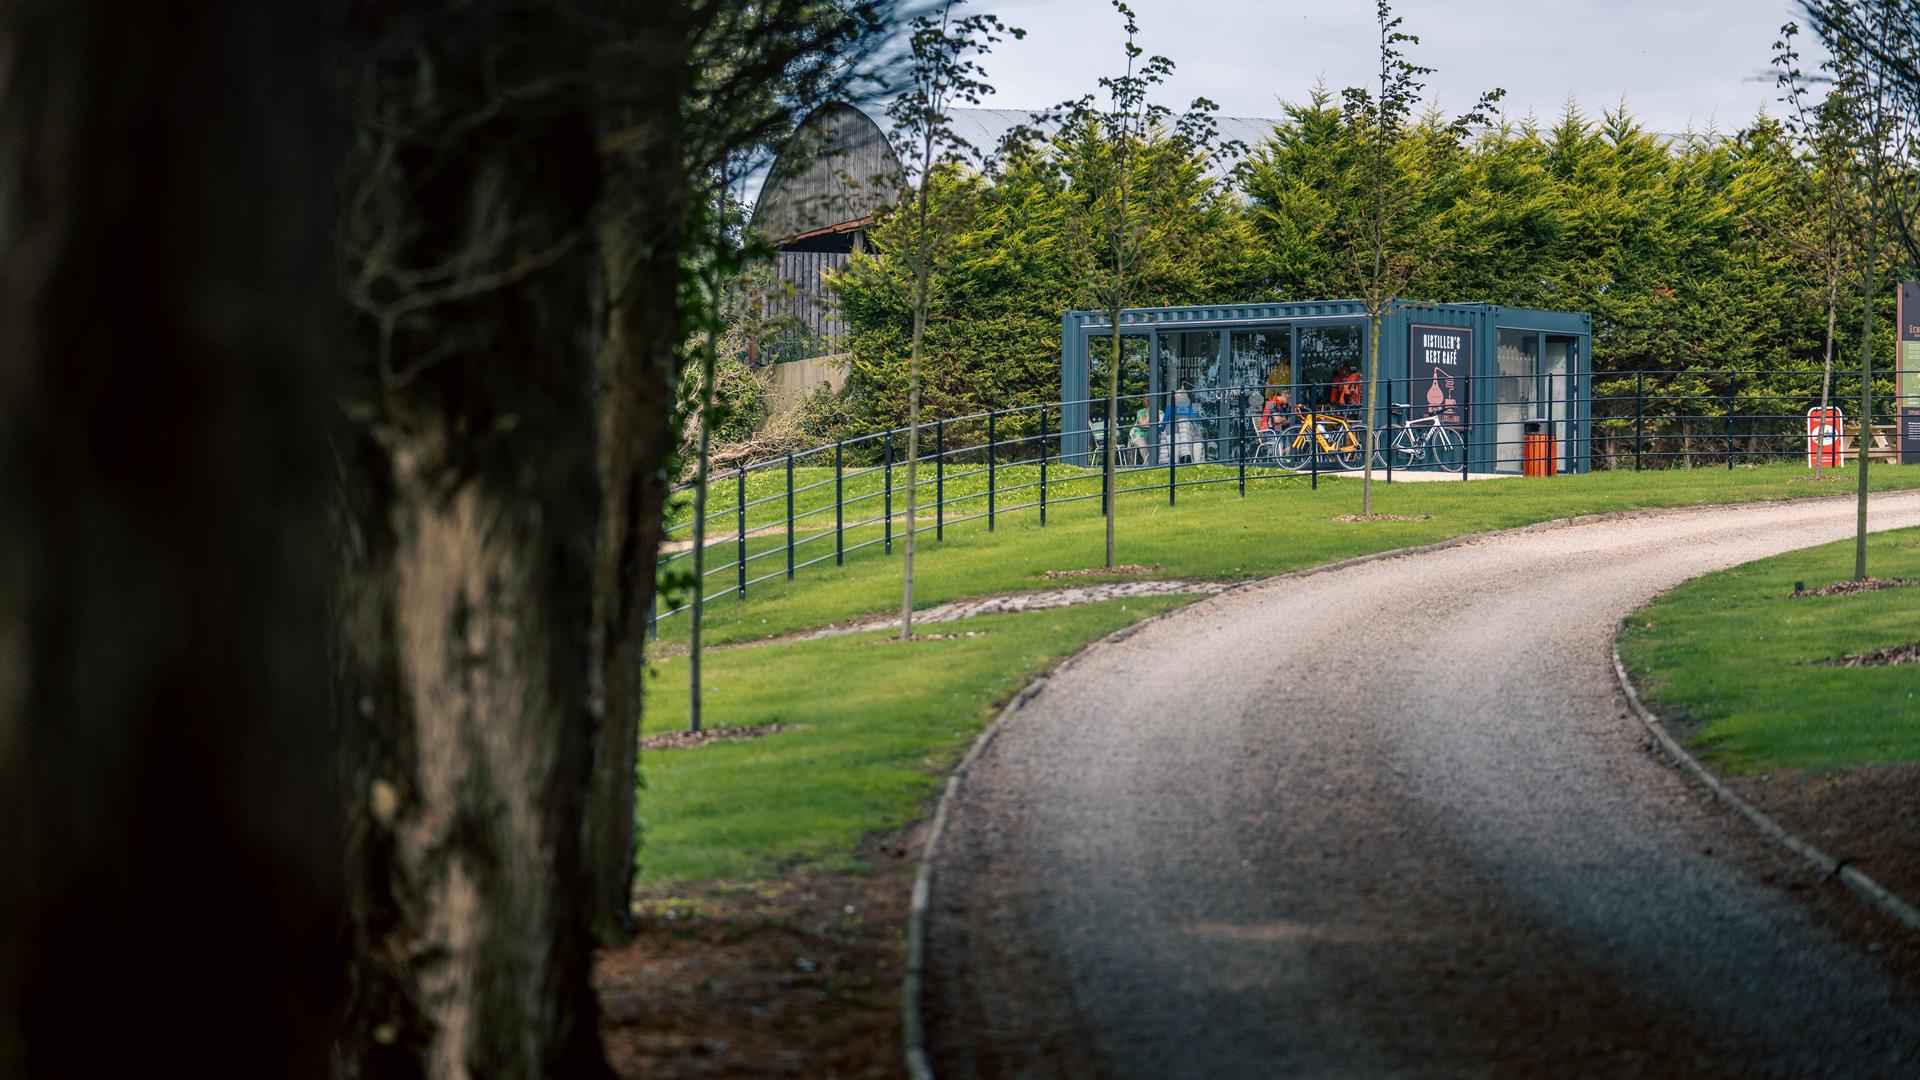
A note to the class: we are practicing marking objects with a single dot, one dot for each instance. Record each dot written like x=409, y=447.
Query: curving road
x=1391, y=820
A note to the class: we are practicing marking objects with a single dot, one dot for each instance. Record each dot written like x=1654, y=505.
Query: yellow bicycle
x=1333, y=439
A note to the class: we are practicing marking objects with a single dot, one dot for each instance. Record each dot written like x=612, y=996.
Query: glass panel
x=1132, y=422
x=1515, y=390
x=1329, y=371
x=1189, y=363
x=1558, y=357
x=1261, y=374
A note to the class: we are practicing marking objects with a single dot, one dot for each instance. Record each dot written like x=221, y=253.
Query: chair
x=1184, y=444
x=1267, y=446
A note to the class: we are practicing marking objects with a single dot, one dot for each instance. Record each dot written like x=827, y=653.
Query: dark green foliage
x=994, y=340
x=1674, y=246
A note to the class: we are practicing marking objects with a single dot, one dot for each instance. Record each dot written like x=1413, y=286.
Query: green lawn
x=865, y=753
x=1735, y=657
x=1281, y=524
x=880, y=723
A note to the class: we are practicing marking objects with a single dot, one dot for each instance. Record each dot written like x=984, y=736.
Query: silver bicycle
x=1425, y=441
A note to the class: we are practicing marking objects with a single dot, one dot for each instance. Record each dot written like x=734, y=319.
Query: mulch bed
x=1844, y=588
x=1101, y=571
x=1869, y=816
x=793, y=978
x=1384, y=517
x=1895, y=654
x=684, y=740
x=955, y=636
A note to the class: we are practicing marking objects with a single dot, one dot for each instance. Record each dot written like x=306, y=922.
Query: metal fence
x=783, y=515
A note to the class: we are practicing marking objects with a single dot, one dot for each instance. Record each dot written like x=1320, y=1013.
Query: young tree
x=717, y=270
x=1826, y=208
x=943, y=71
x=1871, y=45
x=170, y=885
x=1107, y=223
x=1387, y=237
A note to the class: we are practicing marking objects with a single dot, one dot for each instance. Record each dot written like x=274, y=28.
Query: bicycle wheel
x=1293, y=447
x=1407, y=448
x=1349, y=446
x=1444, y=446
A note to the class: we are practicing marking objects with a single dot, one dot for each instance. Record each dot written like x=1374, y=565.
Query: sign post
x=1823, y=437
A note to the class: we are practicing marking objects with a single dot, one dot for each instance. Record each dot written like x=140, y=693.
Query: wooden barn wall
x=808, y=301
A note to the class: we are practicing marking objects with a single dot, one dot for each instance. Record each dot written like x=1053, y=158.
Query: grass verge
x=1281, y=524
x=874, y=725
x=1737, y=660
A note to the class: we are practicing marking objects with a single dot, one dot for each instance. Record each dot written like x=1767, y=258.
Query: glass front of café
x=1217, y=383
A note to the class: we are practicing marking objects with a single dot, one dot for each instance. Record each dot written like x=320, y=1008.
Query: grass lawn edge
x=1863, y=885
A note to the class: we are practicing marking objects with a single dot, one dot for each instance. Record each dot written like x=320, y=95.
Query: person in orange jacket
x=1274, y=416
x=1346, y=390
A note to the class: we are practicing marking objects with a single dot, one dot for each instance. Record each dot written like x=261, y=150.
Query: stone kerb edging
x=920, y=1067
x=1863, y=885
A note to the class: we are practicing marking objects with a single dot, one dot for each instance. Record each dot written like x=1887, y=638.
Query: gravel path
x=1390, y=820
x=1037, y=600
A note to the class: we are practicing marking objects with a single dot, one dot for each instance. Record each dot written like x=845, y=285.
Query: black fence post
x=740, y=528
x=1389, y=446
x=939, y=479
x=1639, y=414
x=789, y=517
x=1173, y=454
x=839, y=503
x=1240, y=439
x=992, y=455
x=1466, y=437
x=1313, y=445
x=1733, y=404
x=887, y=499
x=653, y=619
x=1043, y=466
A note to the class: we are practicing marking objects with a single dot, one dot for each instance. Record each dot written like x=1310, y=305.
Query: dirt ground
x=791, y=978
x=1869, y=817
x=779, y=979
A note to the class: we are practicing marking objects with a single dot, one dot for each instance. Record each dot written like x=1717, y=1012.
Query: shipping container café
x=1242, y=382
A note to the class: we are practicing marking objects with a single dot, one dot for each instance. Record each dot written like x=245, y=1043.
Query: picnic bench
x=1883, y=444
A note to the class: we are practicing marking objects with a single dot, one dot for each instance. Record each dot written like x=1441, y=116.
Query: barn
x=820, y=199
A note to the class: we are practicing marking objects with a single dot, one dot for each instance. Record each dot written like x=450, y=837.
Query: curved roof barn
x=820, y=198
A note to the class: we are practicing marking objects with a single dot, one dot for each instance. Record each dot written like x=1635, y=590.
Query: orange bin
x=1536, y=455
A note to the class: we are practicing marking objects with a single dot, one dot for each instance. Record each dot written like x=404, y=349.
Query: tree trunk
x=1864, y=447
x=1826, y=368
x=642, y=238
x=913, y=433
x=466, y=621
x=1369, y=393
x=1113, y=432
x=169, y=881
x=697, y=604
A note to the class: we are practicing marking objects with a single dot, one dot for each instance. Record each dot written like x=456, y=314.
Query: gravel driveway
x=1390, y=820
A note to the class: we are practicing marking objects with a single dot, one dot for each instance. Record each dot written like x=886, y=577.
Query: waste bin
x=1536, y=448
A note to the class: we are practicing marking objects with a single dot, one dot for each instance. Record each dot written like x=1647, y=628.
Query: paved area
x=1393, y=820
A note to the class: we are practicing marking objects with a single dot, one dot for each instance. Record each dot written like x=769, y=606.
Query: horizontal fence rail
x=821, y=505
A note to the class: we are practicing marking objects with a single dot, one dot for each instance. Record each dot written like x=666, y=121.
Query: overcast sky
x=1679, y=63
